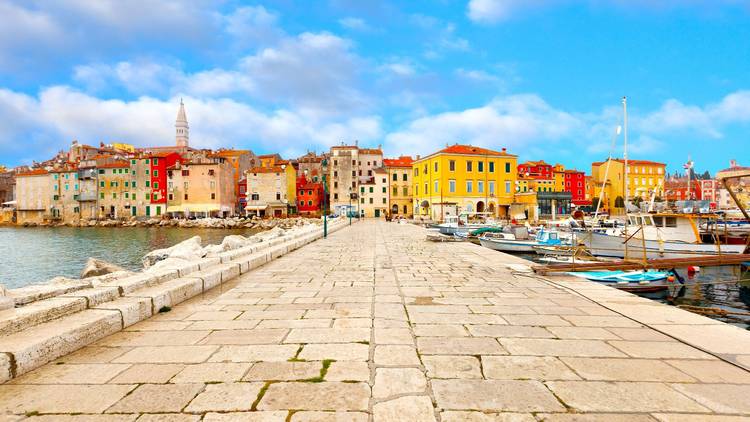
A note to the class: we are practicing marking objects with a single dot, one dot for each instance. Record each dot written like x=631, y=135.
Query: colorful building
x=201, y=187
x=464, y=178
x=33, y=196
x=349, y=167
x=373, y=195
x=271, y=191
x=241, y=160
x=644, y=178
x=309, y=196
x=400, y=198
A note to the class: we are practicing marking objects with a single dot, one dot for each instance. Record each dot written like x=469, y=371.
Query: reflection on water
x=31, y=255
x=713, y=287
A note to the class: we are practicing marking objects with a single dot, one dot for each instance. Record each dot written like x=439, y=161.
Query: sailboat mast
x=625, y=150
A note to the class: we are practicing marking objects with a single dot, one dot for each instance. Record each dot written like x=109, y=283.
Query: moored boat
x=519, y=240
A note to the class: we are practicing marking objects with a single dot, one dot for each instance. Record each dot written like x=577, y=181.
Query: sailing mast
x=625, y=150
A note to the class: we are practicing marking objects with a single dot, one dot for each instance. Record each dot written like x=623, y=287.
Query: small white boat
x=519, y=241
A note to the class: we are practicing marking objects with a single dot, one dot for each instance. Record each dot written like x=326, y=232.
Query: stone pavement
x=375, y=323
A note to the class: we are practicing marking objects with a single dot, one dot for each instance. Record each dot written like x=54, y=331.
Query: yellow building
x=558, y=172
x=33, y=196
x=373, y=195
x=399, y=186
x=644, y=178
x=464, y=178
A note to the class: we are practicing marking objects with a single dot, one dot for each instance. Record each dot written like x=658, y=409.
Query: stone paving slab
x=377, y=324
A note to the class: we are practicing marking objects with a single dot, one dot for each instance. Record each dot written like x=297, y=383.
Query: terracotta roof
x=35, y=172
x=232, y=152
x=620, y=160
x=402, y=161
x=472, y=150
x=535, y=163
x=371, y=151
x=272, y=169
x=269, y=156
x=161, y=154
x=114, y=165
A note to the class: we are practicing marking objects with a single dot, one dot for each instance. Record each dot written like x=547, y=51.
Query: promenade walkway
x=375, y=323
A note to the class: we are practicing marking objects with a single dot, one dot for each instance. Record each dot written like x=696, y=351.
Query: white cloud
x=356, y=24
x=253, y=25
x=60, y=114
x=509, y=122
x=490, y=11
x=477, y=75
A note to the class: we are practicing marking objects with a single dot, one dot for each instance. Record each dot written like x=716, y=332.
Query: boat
x=654, y=235
x=622, y=276
x=517, y=239
x=461, y=223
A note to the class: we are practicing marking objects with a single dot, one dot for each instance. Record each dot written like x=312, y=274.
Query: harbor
x=376, y=322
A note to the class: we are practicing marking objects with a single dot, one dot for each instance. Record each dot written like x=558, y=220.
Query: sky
x=542, y=78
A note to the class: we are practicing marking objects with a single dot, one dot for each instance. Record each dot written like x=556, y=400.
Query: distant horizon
x=543, y=79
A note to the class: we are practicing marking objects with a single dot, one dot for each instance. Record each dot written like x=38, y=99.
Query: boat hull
x=600, y=244
x=518, y=246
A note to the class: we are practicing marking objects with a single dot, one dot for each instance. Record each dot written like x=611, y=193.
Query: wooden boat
x=622, y=276
x=512, y=242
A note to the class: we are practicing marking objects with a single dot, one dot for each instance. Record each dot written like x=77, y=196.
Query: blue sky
x=543, y=78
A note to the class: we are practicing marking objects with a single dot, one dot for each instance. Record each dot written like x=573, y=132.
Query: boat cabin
x=665, y=226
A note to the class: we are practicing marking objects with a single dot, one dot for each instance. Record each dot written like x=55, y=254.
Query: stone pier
x=377, y=324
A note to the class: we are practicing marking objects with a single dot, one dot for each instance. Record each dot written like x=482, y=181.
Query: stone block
x=38, y=345
x=170, y=293
x=132, y=309
x=39, y=312
x=96, y=295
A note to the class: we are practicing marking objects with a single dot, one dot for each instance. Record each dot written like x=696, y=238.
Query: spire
x=182, y=135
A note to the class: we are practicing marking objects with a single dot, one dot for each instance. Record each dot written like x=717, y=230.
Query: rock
x=229, y=243
x=96, y=267
x=188, y=250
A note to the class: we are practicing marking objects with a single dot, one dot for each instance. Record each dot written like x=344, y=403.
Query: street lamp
x=349, y=210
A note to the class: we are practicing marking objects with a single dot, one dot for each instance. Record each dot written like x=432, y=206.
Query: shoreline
x=206, y=223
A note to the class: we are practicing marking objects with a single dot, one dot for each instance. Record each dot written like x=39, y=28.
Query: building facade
x=271, y=191
x=349, y=167
x=644, y=178
x=33, y=196
x=400, y=200
x=202, y=187
x=464, y=178
x=373, y=195
x=309, y=196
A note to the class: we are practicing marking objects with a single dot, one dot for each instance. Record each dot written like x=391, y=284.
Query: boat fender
x=670, y=279
x=676, y=276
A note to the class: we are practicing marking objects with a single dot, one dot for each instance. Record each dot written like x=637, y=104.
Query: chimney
x=504, y=150
x=417, y=156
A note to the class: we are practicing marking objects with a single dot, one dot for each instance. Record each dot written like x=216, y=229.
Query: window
x=278, y=196
x=170, y=196
x=507, y=186
x=211, y=172
x=372, y=189
x=480, y=166
x=147, y=161
x=416, y=190
x=147, y=172
x=452, y=165
x=335, y=196
x=186, y=197
x=213, y=196
x=212, y=185
x=156, y=185
x=101, y=171
x=185, y=185
x=395, y=177
x=309, y=203
x=480, y=186
x=405, y=178
x=101, y=195
x=492, y=188
x=384, y=189
x=126, y=183
x=395, y=191
x=436, y=167
x=148, y=184
x=156, y=173
x=186, y=172
x=469, y=186
x=114, y=196
x=468, y=165
x=156, y=161
x=101, y=184
x=426, y=189
x=492, y=166
x=155, y=196
x=416, y=171
x=452, y=186
x=371, y=201
x=127, y=195
x=132, y=162
x=507, y=167
x=437, y=189
x=406, y=191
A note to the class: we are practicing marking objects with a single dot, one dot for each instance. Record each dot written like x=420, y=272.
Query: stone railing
x=51, y=320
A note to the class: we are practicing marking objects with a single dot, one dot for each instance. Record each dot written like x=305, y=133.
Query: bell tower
x=182, y=135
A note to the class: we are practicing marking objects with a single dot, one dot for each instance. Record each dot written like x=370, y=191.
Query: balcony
x=86, y=196
x=87, y=174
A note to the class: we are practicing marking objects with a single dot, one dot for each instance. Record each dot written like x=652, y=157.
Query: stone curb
x=43, y=331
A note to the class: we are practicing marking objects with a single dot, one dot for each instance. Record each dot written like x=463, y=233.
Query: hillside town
x=120, y=182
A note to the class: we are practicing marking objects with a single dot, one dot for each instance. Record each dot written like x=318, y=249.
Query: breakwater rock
x=207, y=223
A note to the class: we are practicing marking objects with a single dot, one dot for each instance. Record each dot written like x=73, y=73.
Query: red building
x=535, y=170
x=309, y=196
x=574, y=181
x=159, y=163
x=676, y=189
x=709, y=190
x=242, y=189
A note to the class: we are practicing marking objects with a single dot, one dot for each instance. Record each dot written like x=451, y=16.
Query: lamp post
x=349, y=210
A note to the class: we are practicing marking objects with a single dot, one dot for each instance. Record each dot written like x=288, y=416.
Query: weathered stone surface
x=19, y=319
x=255, y=353
x=411, y=408
x=167, y=354
x=96, y=267
x=659, y=350
x=152, y=398
x=328, y=335
x=22, y=399
x=393, y=381
x=132, y=309
x=712, y=371
x=494, y=395
x=596, y=396
x=283, y=371
x=626, y=370
x=459, y=416
x=316, y=396
x=459, y=346
x=452, y=366
x=147, y=373
x=339, y=352
x=277, y=416
x=526, y=367
x=722, y=398
x=187, y=250
x=396, y=355
x=87, y=373
x=329, y=417
x=551, y=347
x=226, y=397
x=210, y=372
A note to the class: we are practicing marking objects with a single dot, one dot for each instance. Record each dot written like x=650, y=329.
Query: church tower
x=181, y=127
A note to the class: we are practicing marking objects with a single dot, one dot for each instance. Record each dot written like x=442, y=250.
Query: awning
x=256, y=207
x=10, y=203
x=193, y=208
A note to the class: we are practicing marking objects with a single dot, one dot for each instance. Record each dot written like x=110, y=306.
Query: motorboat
x=461, y=223
x=517, y=239
x=622, y=276
x=654, y=235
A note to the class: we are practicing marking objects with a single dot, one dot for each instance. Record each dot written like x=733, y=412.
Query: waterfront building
x=574, y=181
x=115, y=190
x=676, y=189
x=399, y=186
x=462, y=178
x=7, y=186
x=644, y=178
x=157, y=179
x=350, y=166
x=373, y=195
x=201, y=187
x=268, y=160
x=309, y=195
x=271, y=191
x=709, y=190
x=33, y=196
x=241, y=160
x=65, y=195
x=738, y=185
